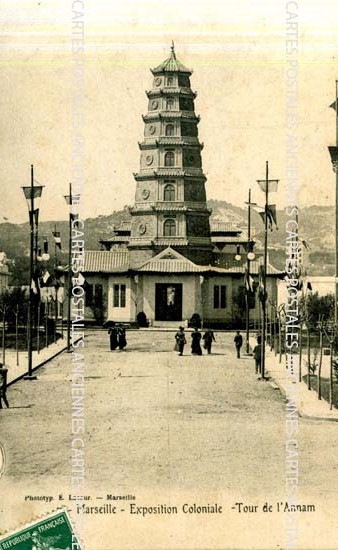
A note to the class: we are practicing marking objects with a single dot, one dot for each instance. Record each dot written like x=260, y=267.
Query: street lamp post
x=264, y=184
x=70, y=200
x=334, y=159
x=250, y=256
x=31, y=192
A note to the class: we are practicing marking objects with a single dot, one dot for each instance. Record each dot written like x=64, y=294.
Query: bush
x=195, y=321
x=142, y=320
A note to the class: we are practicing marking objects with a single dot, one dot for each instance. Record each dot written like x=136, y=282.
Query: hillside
x=316, y=227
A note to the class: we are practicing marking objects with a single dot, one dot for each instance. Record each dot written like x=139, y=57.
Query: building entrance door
x=168, y=300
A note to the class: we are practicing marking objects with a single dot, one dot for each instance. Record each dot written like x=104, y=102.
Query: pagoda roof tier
x=218, y=226
x=169, y=173
x=116, y=239
x=141, y=209
x=174, y=241
x=170, y=115
x=186, y=142
x=165, y=91
x=171, y=65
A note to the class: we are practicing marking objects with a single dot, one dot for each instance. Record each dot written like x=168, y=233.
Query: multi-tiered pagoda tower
x=170, y=201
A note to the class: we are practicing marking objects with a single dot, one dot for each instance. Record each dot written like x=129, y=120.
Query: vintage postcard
x=168, y=275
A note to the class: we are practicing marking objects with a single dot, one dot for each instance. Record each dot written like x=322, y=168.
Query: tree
x=319, y=308
x=239, y=301
x=99, y=307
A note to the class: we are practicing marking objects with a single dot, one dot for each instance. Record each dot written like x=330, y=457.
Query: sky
x=237, y=52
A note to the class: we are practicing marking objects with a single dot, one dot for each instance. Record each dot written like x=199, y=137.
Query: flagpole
x=336, y=270
x=248, y=277
x=69, y=268
x=265, y=268
x=55, y=249
x=56, y=285
x=31, y=274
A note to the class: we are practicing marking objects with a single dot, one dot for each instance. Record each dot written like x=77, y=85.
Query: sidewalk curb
x=39, y=365
x=299, y=410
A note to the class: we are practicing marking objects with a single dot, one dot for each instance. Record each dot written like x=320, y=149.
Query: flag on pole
x=305, y=244
x=333, y=150
x=261, y=294
x=79, y=280
x=57, y=238
x=35, y=286
x=272, y=185
x=46, y=277
x=271, y=213
x=36, y=216
x=37, y=191
x=248, y=281
x=74, y=216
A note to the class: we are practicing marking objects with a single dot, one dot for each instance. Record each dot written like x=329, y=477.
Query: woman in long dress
x=113, y=337
x=122, y=337
x=196, y=342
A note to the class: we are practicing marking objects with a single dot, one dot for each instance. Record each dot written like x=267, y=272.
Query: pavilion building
x=170, y=261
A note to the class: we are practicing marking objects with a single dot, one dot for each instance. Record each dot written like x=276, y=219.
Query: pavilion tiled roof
x=104, y=261
x=228, y=239
x=167, y=261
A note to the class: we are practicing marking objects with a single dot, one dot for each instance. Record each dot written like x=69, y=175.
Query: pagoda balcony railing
x=169, y=115
x=174, y=172
x=170, y=206
x=170, y=140
x=171, y=90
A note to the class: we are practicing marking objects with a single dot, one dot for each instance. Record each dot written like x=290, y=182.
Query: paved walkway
x=308, y=403
x=169, y=430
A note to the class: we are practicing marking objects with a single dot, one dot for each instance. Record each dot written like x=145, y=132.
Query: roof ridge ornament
x=172, y=47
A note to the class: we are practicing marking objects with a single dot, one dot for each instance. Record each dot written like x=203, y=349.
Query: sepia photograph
x=169, y=275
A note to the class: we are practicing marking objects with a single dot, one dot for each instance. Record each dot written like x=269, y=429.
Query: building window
x=220, y=297
x=94, y=295
x=169, y=158
x=169, y=192
x=170, y=81
x=119, y=295
x=170, y=104
x=169, y=130
x=169, y=228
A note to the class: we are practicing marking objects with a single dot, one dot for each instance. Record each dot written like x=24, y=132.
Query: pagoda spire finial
x=172, y=47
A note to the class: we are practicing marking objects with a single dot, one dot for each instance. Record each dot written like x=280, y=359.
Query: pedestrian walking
x=3, y=385
x=121, y=335
x=238, y=343
x=196, y=342
x=113, y=336
x=208, y=338
x=180, y=340
x=257, y=353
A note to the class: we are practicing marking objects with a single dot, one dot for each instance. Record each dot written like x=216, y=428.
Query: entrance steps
x=168, y=325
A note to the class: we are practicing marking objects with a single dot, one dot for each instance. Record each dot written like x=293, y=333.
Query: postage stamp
x=51, y=533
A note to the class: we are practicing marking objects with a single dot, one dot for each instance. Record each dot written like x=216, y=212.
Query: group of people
x=209, y=338
x=196, y=337
x=117, y=336
x=257, y=350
